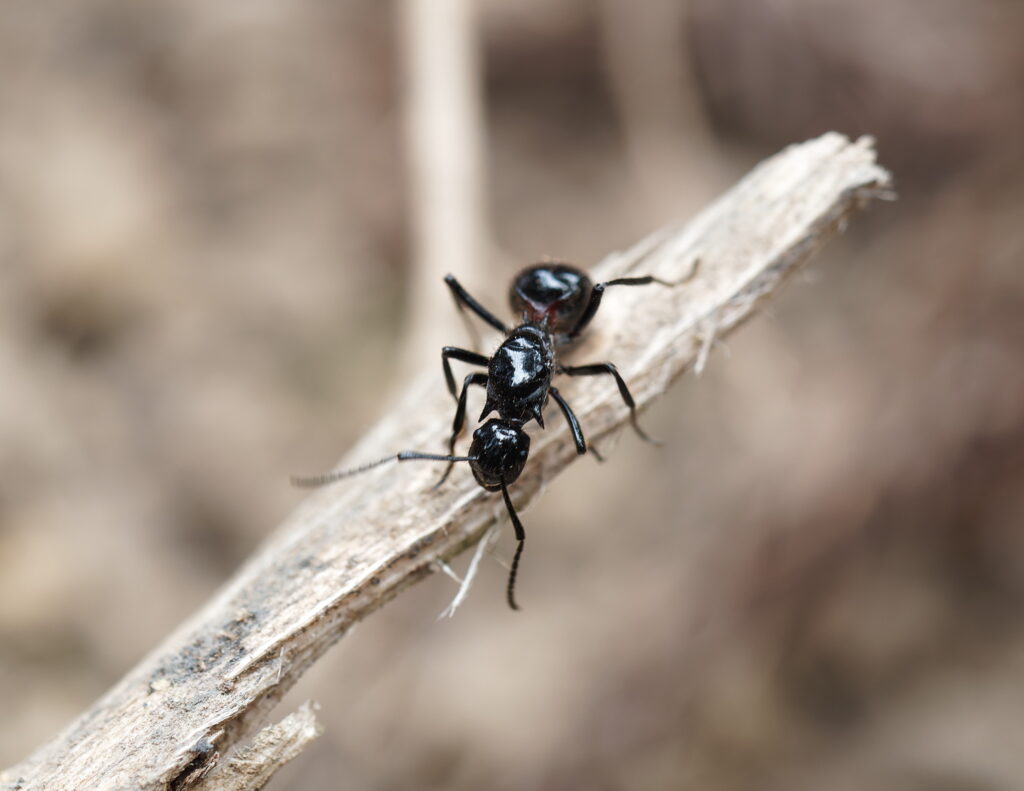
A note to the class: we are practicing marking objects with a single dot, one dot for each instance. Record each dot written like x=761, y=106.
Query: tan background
x=204, y=264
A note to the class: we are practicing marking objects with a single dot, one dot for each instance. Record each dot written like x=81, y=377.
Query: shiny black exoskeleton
x=554, y=302
x=556, y=295
x=498, y=453
x=519, y=375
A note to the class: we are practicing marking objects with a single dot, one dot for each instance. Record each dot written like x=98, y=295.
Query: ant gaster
x=555, y=303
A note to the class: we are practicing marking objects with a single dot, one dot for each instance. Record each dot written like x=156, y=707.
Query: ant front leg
x=608, y=368
x=463, y=300
x=460, y=419
x=517, y=526
x=464, y=355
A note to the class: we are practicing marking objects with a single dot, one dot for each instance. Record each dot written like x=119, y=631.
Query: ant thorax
x=519, y=375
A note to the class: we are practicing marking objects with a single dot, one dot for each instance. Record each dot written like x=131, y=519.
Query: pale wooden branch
x=252, y=766
x=174, y=719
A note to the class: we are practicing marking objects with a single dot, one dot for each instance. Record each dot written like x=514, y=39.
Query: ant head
x=555, y=293
x=499, y=452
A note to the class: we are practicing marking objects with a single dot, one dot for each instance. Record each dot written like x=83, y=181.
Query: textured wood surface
x=177, y=719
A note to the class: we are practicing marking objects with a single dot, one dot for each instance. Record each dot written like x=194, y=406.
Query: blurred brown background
x=206, y=277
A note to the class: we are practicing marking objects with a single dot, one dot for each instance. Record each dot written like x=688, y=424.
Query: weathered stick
x=174, y=720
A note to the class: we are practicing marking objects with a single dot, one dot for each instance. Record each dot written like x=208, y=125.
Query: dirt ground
x=205, y=259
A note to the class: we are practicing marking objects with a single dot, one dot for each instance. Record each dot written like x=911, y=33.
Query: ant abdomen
x=555, y=294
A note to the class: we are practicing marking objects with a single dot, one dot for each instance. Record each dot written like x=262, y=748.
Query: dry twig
x=173, y=721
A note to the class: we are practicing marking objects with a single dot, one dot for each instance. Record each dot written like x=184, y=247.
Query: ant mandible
x=555, y=303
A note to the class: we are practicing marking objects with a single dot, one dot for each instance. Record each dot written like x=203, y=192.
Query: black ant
x=555, y=302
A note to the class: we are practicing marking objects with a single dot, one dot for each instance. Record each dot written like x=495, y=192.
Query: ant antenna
x=313, y=481
x=521, y=538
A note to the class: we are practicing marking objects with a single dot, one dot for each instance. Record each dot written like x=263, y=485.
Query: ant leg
x=466, y=356
x=464, y=300
x=574, y=426
x=460, y=419
x=609, y=368
x=510, y=592
x=598, y=292
x=570, y=418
